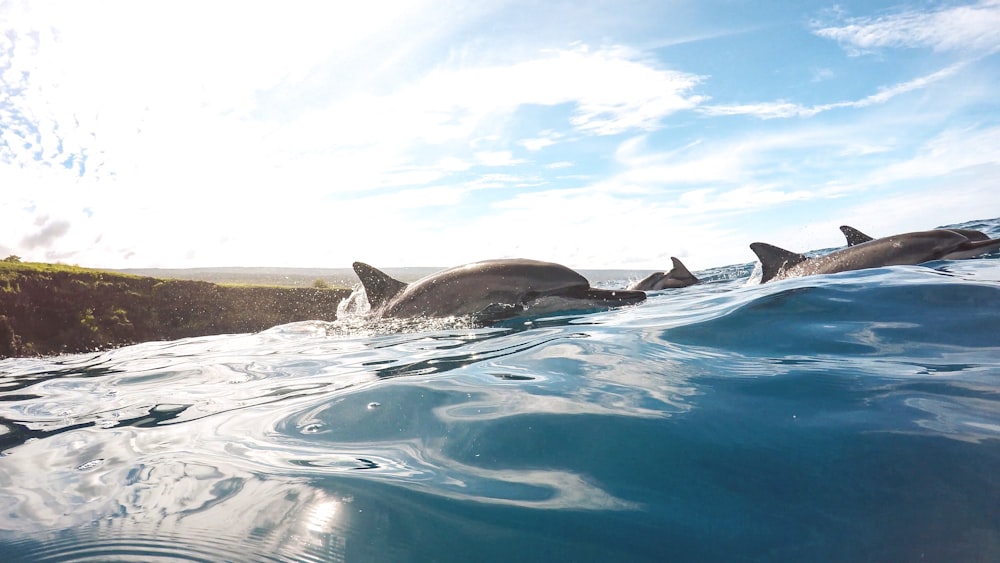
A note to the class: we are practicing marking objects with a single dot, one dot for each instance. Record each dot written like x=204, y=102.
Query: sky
x=595, y=134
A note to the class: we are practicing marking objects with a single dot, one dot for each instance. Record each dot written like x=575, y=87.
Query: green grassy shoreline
x=51, y=308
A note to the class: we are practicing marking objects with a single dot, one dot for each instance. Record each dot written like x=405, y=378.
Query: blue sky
x=433, y=133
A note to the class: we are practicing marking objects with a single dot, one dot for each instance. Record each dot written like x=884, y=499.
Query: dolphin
x=906, y=248
x=491, y=290
x=855, y=236
x=678, y=276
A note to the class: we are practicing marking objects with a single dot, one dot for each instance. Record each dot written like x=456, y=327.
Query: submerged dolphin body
x=678, y=276
x=491, y=290
x=855, y=236
x=907, y=248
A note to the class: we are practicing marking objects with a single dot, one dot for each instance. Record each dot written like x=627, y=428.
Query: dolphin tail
x=379, y=286
x=680, y=272
x=854, y=236
x=773, y=259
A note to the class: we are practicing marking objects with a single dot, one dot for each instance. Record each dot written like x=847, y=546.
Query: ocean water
x=850, y=417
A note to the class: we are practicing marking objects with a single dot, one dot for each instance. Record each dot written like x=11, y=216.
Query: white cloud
x=864, y=148
x=163, y=120
x=822, y=74
x=755, y=157
x=170, y=88
x=496, y=158
x=611, y=90
x=950, y=151
x=415, y=198
x=561, y=225
x=544, y=139
x=783, y=109
x=974, y=27
x=537, y=143
x=452, y=164
x=911, y=205
x=671, y=195
x=488, y=181
x=933, y=202
x=138, y=97
x=763, y=110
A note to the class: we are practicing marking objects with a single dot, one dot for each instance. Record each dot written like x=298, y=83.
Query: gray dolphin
x=906, y=248
x=490, y=290
x=855, y=236
x=678, y=276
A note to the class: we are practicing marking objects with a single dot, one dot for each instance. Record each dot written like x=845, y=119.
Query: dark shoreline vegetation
x=50, y=309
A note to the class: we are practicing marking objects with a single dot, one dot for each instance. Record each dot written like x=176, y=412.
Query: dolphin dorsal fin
x=379, y=286
x=854, y=236
x=773, y=259
x=680, y=271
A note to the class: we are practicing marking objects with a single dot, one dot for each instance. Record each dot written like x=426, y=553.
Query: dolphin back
x=379, y=286
x=855, y=236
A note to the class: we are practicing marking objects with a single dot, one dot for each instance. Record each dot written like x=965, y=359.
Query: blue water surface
x=848, y=417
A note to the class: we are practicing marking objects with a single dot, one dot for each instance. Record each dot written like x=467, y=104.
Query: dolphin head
x=973, y=250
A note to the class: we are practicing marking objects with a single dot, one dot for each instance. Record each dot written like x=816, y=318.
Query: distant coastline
x=50, y=309
x=334, y=277
x=270, y=276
